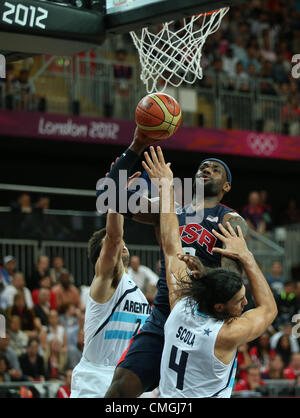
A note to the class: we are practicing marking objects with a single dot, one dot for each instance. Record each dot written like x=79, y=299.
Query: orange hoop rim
x=208, y=13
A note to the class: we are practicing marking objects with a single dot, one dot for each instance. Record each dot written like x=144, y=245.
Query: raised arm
x=255, y=321
x=162, y=176
x=109, y=267
x=126, y=162
x=235, y=220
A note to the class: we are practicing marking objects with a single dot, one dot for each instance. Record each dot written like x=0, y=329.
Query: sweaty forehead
x=213, y=164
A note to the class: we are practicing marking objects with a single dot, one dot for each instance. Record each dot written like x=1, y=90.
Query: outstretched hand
x=235, y=244
x=156, y=167
x=193, y=264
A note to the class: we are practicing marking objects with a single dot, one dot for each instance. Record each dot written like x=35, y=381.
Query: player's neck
x=209, y=202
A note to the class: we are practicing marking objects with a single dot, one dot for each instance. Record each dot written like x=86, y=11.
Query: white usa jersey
x=189, y=367
x=108, y=329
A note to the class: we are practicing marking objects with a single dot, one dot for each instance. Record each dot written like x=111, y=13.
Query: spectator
x=253, y=213
x=45, y=283
x=41, y=270
x=65, y=390
x=17, y=286
x=54, y=331
x=122, y=76
x=14, y=369
x=275, y=369
x=291, y=213
x=241, y=79
x=261, y=353
x=9, y=268
x=75, y=352
x=281, y=68
x=275, y=279
x=243, y=361
x=283, y=347
x=290, y=114
x=229, y=63
x=66, y=293
x=5, y=278
x=26, y=315
x=42, y=309
x=25, y=93
x=4, y=366
x=297, y=294
x=266, y=50
x=42, y=203
x=7, y=86
x=252, y=59
x=285, y=329
x=58, y=269
x=267, y=208
x=286, y=303
x=32, y=363
x=55, y=359
x=253, y=379
x=18, y=338
x=239, y=50
x=70, y=321
x=292, y=371
x=143, y=277
x=216, y=76
x=23, y=204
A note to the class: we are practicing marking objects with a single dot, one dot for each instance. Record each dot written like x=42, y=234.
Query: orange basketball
x=158, y=116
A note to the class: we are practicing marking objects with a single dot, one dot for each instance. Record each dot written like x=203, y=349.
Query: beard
x=210, y=188
x=125, y=260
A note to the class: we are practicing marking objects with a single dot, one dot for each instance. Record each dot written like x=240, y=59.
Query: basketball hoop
x=172, y=56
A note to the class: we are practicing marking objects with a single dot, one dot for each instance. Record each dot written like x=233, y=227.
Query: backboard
x=126, y=15
x=33, y=27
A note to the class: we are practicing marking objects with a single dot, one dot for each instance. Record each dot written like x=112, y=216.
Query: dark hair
x=95, y=245
x=284, y=352
x=217, y=286
x=31, y=340
x=3, y=357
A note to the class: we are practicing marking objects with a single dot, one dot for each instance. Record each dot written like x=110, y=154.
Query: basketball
x=158, y=116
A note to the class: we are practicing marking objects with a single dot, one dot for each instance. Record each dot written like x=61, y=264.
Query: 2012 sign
x=24, y=15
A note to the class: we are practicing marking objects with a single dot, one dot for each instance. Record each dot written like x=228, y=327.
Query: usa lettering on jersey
x=196, y=233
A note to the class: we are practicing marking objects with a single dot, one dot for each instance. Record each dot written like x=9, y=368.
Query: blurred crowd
x=45, y=326
x=261, y=216
x=253, y=50
x=17, y=91
x=45, y=319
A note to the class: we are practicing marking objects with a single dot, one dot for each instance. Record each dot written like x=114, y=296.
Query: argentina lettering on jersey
x=197, y=239
x=110, y=326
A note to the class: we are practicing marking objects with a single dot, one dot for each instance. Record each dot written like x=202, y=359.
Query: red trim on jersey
x=126, y=351
x=233, y=210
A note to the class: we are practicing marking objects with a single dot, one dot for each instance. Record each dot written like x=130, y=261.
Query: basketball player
x=139, y=368
x=115, y=310
x=207, y=323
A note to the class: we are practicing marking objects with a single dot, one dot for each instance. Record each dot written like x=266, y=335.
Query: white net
x=171, y=53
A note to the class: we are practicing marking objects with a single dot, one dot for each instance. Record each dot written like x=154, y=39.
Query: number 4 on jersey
x=180, y=367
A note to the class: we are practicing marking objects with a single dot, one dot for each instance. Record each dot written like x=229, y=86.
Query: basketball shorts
x=143, y=357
